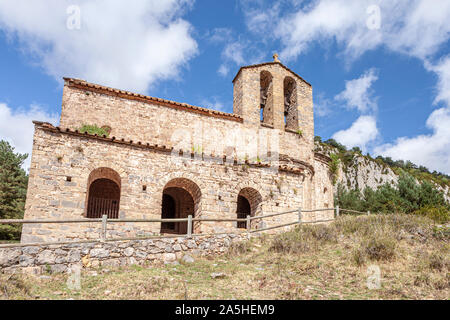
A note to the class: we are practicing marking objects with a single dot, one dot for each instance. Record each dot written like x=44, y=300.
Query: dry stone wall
x=59, y=258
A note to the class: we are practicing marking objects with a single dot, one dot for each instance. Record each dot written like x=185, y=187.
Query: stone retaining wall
x=59, y=258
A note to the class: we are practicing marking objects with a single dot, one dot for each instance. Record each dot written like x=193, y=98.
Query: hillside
x=365, y=257
x=358, y=171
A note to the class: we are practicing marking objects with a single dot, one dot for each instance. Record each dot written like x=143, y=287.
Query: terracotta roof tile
x=269, y=63
x=84, y=85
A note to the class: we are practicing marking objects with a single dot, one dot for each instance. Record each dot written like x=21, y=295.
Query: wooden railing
x=104, y=220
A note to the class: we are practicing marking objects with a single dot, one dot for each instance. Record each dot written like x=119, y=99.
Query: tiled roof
x=270, y=63
x=84, y=85
x=155, y=147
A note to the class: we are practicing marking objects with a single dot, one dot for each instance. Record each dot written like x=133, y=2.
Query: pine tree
x=13, y=188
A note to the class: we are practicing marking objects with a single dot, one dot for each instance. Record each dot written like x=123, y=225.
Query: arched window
x=248, y=203
x=266, y=98
x=181, y=198
x=290, y=104
x=103, y=196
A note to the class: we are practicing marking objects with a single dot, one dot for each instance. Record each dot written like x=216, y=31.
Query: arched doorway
x=248, y=203
x=181, y=198
x=243, y=210
x=103, y=196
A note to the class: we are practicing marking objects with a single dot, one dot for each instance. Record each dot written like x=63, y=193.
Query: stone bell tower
x=271, y=95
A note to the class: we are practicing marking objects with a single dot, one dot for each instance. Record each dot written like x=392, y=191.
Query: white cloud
x=213, y=103
x=363, y=131
x=262, y=20
x=416, y=27
x=323, y=106
x=357, y=93
x=219, y=35
x=17, y=128
x=442, y=69
x=430, y=150
x=125, y=44
x=223, y=70
x=234, y=52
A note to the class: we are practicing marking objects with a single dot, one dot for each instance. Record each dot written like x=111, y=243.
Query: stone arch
x=123, y=174
x=181, y=197
x=266, y=97
x=248, y=203
x=290, y=104
x=103, y=193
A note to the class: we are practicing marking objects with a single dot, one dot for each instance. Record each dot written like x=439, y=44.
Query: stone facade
x=168, y=159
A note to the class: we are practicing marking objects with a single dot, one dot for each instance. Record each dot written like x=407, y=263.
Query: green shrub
x=406, y=197
x=10, y=232
x=321, y=232
x=334, y=167
x=290, y=242
x=303, y=239
x=380, y=248
x=441, y=232
x=438, y=214
x=238, y=248
x=13, y=188
x=359, y=257
x=436, y=262
x=94, y=129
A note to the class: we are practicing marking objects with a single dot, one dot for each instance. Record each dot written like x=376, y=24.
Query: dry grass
x=311, y=262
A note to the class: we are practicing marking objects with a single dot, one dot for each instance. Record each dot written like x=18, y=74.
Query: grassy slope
x=316, y=262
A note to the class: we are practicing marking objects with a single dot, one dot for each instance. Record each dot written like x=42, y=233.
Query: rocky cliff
x=357, y=171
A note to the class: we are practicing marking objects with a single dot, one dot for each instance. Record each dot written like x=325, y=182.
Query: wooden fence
x=104, y=220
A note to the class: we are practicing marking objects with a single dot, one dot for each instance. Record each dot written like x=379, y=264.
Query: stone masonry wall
x=323, y=190
x=59, y=258
x=57, y=156
x=64, y=162
x=247, y=104
x=158, y=124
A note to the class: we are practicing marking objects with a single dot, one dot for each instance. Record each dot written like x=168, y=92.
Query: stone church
x=164, y=159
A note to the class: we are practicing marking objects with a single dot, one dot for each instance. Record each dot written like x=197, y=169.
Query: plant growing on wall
x=197, y=149
x=94, y=129
x=334, y=167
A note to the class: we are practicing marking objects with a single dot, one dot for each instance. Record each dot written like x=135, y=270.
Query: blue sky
x=380, y=70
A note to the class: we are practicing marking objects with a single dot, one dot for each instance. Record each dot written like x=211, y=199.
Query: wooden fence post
x=104, y=223
x=248, y=226
x=189, y=226
x=337, y=211
x=299, y=215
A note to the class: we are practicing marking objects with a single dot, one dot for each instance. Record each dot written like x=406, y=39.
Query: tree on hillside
x=336, y=144
x=13, y=188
